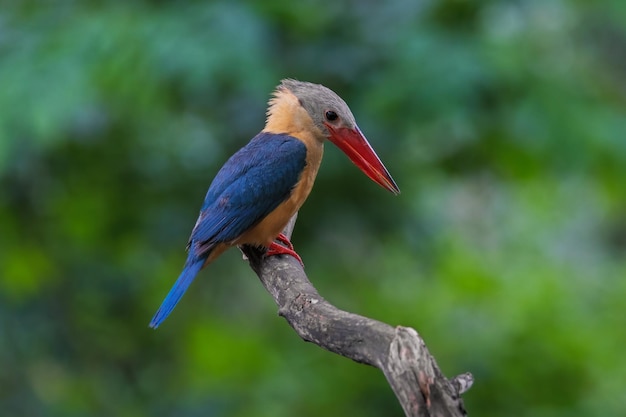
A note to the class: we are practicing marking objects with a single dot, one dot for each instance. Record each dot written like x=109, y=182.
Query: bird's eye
x=331, y=116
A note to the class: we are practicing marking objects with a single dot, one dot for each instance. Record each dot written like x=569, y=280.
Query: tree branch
x=400, y=353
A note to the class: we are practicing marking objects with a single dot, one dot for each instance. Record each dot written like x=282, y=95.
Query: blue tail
x=192, y=267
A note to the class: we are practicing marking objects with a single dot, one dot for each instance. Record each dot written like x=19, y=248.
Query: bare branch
x=400, y=353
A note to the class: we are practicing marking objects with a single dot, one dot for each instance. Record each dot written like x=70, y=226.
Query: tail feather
x=182, y=283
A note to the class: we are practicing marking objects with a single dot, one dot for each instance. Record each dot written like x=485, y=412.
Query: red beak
x=353, y=143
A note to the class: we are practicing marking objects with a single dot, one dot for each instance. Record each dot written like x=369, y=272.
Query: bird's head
x=334, y=121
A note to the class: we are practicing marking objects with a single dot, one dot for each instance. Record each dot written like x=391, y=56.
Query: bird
x=261, y=186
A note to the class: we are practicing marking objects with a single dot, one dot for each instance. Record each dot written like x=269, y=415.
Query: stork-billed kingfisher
x=265, y=183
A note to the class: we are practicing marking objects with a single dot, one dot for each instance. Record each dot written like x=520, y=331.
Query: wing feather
x=250, y=185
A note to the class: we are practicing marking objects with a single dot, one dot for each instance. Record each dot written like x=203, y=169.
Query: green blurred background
x=503, y=122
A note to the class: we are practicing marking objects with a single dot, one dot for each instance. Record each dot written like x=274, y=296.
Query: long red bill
x=353, y=143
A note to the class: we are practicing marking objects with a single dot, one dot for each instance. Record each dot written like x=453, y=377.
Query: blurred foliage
x=503, y=122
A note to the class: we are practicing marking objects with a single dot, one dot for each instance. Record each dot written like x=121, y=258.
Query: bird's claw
x=276, y=249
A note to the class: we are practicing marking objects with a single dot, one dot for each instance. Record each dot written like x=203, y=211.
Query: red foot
x=276, y=249
x=284, y=240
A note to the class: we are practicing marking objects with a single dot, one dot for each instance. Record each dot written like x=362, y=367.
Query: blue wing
x=250, y=185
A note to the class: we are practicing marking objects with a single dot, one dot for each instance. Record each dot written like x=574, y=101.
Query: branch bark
x=400, y=353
